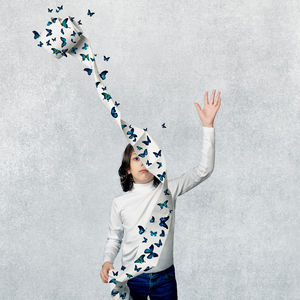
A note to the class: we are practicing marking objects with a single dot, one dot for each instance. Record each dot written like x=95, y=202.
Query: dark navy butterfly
x=159, y=243
x=85, y=46
x=159, y=164
x=89, y=13
x=148, y=141
x=106, y=58
x=114, y=293
x=161, y=205
x=166, y=192
x=129, y=275
x=153, y=233
x=148, y=268
x=163, y=125
x=145, y=240
x=114, y=112
x=123, y=296
x=79, y=22
x=163, y=221
x=64, y=43
x=133, y=136
x=40, y=44
x=162, y=176
x=136, y=268
x=148, y=163
x=49, y=32
x=144, y=153
x=141, y=229
x=74, y=33
x=64, y=52
x=152, y=219
x=116, y=103
x=157, y=154
x=50, y=10
x=62, y=31
x=162, y=233
x=123, y=268
x=88, y=70
x=60, y=7
x=36, y=34
x=145, y=129
x=48, y=43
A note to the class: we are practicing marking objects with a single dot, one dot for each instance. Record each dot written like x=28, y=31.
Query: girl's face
x=136, y=167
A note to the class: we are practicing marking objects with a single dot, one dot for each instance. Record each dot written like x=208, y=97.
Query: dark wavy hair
x=125, y=178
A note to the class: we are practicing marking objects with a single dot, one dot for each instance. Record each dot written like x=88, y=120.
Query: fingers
x=212, y=97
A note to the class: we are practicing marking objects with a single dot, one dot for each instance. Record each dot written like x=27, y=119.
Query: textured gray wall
x=60, y=150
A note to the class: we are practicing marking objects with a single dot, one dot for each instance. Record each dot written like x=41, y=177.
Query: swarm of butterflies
x=88, y=70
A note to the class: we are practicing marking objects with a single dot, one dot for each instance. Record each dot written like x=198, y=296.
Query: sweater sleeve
x=196, y=175
x=115, y=234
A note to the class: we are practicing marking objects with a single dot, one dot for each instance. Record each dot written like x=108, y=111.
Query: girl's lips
x=144, y=171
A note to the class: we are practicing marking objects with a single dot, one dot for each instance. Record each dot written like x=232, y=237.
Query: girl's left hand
x=208, y=113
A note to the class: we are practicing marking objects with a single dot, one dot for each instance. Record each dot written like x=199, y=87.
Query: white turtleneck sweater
x=134, y=208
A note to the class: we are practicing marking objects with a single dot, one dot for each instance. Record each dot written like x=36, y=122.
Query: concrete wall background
x=60, y=150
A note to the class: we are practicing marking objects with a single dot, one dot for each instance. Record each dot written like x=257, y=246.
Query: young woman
x=135, y=206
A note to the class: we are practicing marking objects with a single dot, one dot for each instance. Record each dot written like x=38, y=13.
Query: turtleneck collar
x=142, y=186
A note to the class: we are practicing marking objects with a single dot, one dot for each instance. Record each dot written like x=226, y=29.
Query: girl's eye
x=136, y=157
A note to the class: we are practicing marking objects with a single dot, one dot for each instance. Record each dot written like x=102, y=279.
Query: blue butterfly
x=166, y=192
x=153, y=233
x=49, y=32
x=79, y=22
x=114, y=112
x=123, y=268
x=159, y=164
x=148, y=268
x=150, y=251
x=148, y=163
x=62, y=31
x=90, y=13
x=73, y=41
x=157, y=154
x=129, y=275
x=123, y=296
x=162, y=176
x=163, y=204
x=144, y=153
x=159, y=243
x=103, y=74
x=54, y=39
x=74, y=33
x=162, y=233
x=141, y=229
x=48, y=43
x=74, y=50
x=60, y=8
x=163, y=125
x=72, y=18
x=40, y=44
x=114, y=293
x=123, y=126
x=49, y=23
x=56, y=51
x=132, y=135
x=139, y=148
x=152, y=219
x=113, y=281
x=92, y=59
x=63, y=41
x=115, y=273
x=145, y=129
x=50, y=10
x=64, y=52
x=104, y=88
x=79, y=33
x=85, y=46
x=106, y=58
x=145, y=240
x=136, y=268
x=140, y=259
x=116, y=103
x=171, y=210
x=88, y=70
x=163, y=221
x=64, y=23
x=85, y=56
x=148, y=141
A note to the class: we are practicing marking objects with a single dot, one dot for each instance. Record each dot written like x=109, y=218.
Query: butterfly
x=62, y=31
x=163, y=222
x=79, y=22
x=144, y=153
x=71, y=18
x=55, y=51
x=114, y=293
x=88, y=70
x=145, y=240
x=115, y=273
x=159, y=243
x=133, y=136
x=63, y=41
x=49, y=23
x=50, y=10
x=106, y=58
x=103, y=74
x=145, y=129
x=40, y=44
x=64, y=23
x=49, y=32
x=140, y=259
x=148, y=141
x=166, y=192
x=148, y=268
x=129, y=275
x=116, y=103
x=74, y=33
x=153, y=233
x=141, y=229
x=136, y=268
x=113, y=281
x=85, y=46
x=163, y=204
x=123, y=296
x=163, y=125
x=60, y=8
x=157, y=154
x=159, y=164
x=162, y=176
x=92, y=59
x=148, y=163
x=64, y=52
x=152, y=219
x=123, y=268
x=150, y=251
x=139, y=148
x=54, y=39
x=73, y=41
x=85, y=56
x=114, y=112
x=74, y=50
x=162, y=233
x=48, y=43
x=90, y=13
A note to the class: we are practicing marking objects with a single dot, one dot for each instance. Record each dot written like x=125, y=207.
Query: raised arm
x=115, y=234
x=196, y=175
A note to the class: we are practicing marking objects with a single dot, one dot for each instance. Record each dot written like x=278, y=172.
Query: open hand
x=208, y=113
